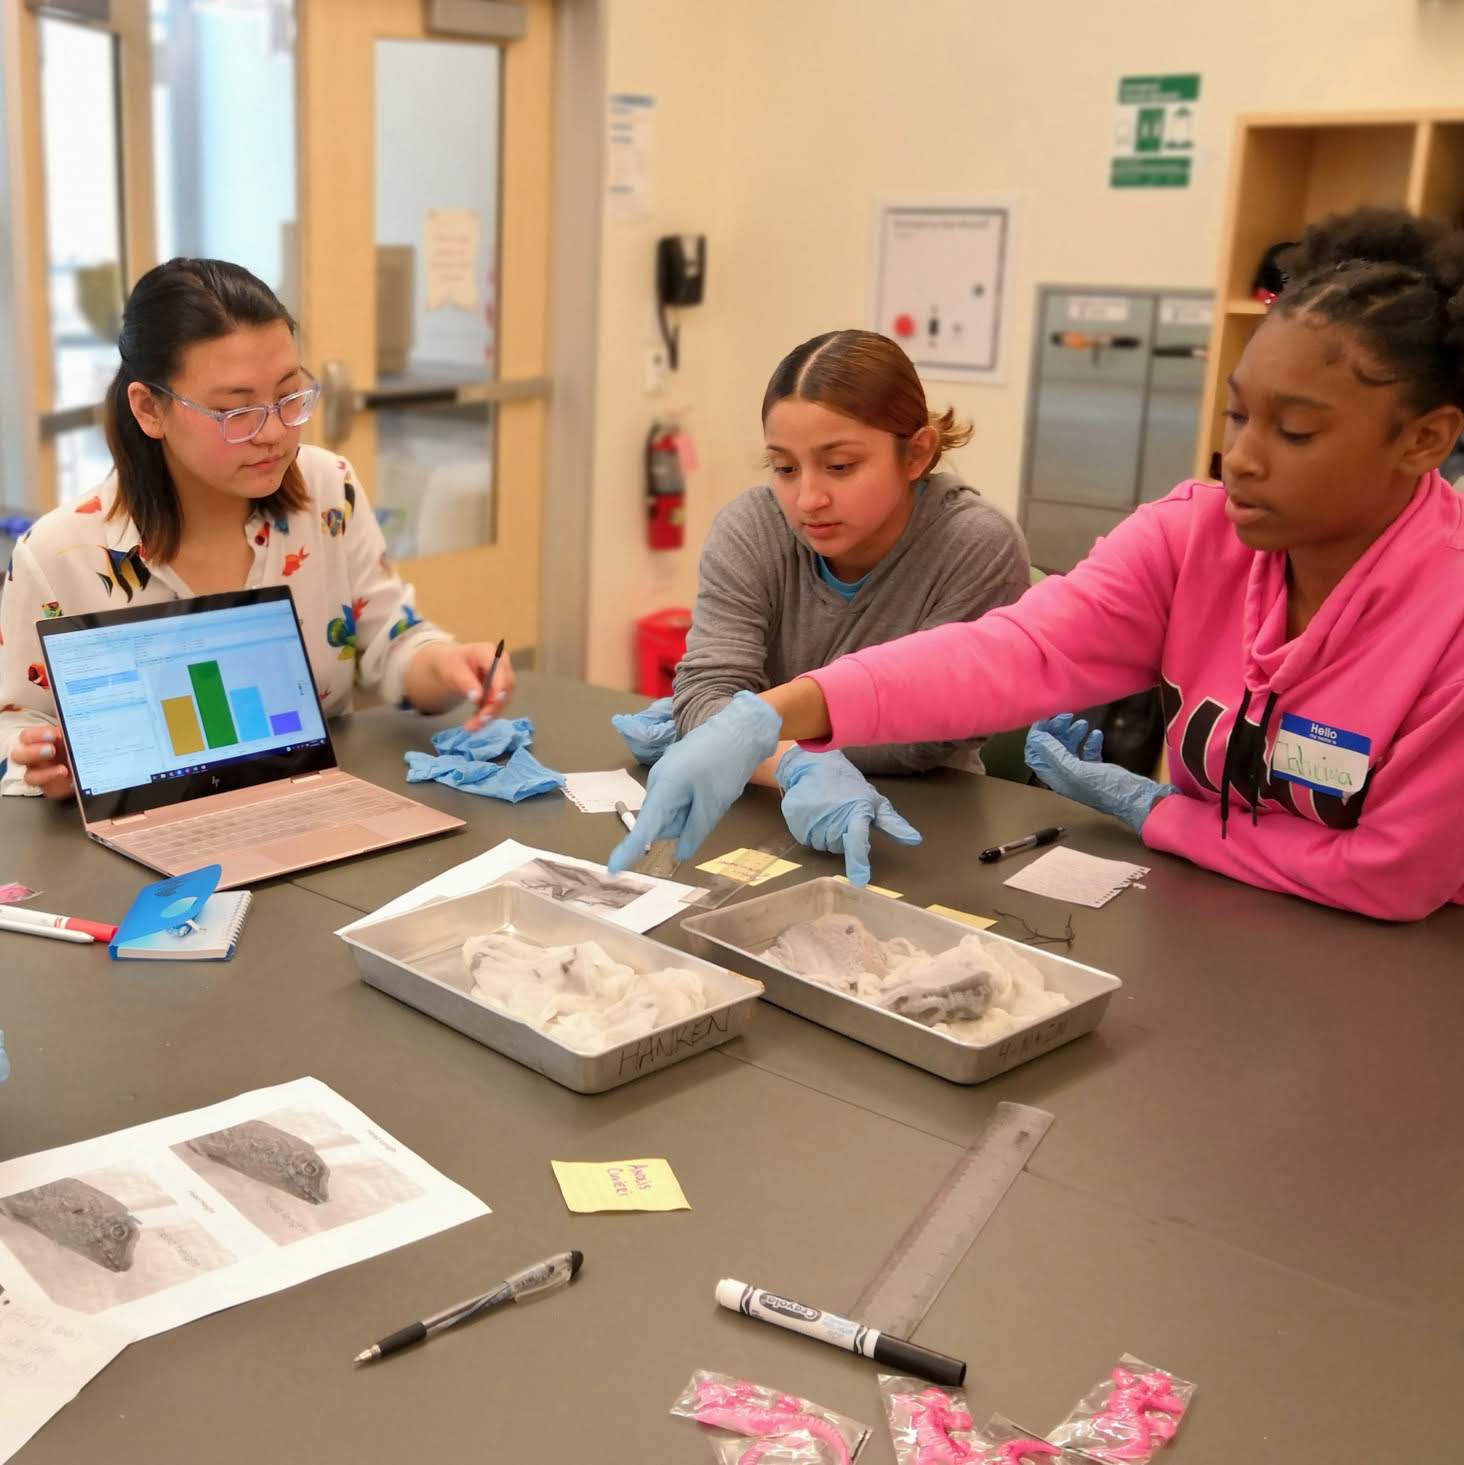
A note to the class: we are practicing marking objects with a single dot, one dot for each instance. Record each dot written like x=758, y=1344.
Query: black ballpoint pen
x=492, y=669
x=1033, y=841
x=554, y=1272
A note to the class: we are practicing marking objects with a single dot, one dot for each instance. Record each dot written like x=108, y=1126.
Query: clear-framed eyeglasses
x=244, y=424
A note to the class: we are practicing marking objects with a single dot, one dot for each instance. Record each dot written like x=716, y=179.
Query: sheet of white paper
x=636, y=902
x=598, y=793
x=1069, y=874
x=631, y=153
x=47, y=1356
x=171, y=1220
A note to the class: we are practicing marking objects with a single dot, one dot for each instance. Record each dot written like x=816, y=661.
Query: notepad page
x=1070, y=875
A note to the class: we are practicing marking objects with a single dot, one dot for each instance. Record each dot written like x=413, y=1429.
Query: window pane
x=437, y=180
x=224, y=134
x=83, y=207
x=82, y=462
x=433, y=476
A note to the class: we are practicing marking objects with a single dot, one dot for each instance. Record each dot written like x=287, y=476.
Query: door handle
x=338, y=397
x=1096, y=345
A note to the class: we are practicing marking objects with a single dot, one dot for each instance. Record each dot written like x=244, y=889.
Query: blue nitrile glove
x=829, y=805
x=647, y=733
x=700, y=777
x=520, y=778
x=1067, y=757
x=492, y=740
x=4, y=1060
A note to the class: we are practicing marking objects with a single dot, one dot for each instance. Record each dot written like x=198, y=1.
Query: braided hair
x=1395, y=281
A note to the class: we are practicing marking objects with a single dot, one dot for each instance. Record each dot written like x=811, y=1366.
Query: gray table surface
x=1254, y=1177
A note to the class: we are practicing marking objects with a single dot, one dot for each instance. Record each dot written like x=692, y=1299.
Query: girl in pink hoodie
x=1305, y=620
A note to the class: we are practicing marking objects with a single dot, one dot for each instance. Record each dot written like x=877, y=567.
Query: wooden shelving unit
x=1287, y=172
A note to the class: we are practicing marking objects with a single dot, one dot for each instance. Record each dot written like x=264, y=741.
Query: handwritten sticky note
x=875, y=889
x=619, y=1185
x=748, y=866
x=981, y=923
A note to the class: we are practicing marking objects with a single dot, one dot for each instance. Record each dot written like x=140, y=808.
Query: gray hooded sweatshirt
x=764, y=615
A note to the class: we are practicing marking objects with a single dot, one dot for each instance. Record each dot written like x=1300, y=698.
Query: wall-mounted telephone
x=681, y=273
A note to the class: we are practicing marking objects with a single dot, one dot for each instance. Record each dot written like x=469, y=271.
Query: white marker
x=626, y=817
x=51, y=933
x=895, y=1353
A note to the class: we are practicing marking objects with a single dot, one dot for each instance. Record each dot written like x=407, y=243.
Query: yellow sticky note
x=619, y=1185
x=876, y=889
x=965, y=917
x=748, y=866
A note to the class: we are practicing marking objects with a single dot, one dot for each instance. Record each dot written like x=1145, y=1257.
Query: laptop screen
x=170, y=702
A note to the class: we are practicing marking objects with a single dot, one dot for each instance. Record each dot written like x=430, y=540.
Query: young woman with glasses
x=211, y=491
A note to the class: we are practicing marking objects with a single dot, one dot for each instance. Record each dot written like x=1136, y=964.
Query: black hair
x=174, y=306
x=1396, y=282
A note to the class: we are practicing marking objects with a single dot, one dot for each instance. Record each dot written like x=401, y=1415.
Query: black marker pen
x=894, y=1353
x=1016, y=846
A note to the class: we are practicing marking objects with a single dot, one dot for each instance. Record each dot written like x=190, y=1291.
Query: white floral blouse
x=357, y=616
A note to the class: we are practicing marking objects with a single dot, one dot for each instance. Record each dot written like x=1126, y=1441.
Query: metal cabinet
x=1113, y=410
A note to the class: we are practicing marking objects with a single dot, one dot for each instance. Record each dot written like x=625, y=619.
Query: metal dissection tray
x=740, y=935
x=417, y=958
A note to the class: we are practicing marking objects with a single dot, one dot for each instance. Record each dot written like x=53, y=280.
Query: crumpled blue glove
x=830, y=805
x=647, y=733
x=1068, y=758
x=492, y=740
x=520, y=778
x=4, y=1060
x=700, y=777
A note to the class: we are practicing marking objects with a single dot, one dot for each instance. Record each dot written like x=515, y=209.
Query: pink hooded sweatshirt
x=1367, y=704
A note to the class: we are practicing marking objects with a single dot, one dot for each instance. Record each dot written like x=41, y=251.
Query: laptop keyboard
x=188, y=840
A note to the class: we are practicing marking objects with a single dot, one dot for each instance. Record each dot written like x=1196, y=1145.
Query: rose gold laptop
x=196, y=738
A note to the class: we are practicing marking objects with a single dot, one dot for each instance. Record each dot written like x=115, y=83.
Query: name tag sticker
x=1316, y=755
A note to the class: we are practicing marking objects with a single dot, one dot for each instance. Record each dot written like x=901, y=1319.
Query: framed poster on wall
x=942, y=284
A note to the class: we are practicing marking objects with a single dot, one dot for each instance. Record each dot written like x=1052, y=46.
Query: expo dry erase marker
x=97, y=930
x=894, y=1353
x=52, y=933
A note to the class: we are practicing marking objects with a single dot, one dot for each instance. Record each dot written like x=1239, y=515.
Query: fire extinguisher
x=665, y=488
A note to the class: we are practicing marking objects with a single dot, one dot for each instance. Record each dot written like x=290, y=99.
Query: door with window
x=384, y=165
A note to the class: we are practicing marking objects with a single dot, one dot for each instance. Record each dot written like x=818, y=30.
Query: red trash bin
x=660, y=643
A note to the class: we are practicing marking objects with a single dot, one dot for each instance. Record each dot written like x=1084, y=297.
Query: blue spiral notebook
x=183, y=918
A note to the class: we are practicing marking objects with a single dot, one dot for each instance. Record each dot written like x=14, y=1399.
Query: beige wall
x=781, y=121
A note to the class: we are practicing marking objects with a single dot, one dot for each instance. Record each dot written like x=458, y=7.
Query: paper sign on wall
x=630, y=137
x=451, y=251
x=942, y=279
x=1154, y=131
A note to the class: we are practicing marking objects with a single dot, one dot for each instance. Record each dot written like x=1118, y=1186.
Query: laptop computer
x=196, y=737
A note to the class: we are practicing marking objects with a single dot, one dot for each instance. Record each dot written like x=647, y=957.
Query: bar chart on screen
x=213, y=704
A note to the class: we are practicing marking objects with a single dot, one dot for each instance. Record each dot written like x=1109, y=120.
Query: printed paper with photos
x=636, y=902
x=157, y=1225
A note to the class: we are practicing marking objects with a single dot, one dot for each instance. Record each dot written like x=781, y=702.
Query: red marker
x=18, y=915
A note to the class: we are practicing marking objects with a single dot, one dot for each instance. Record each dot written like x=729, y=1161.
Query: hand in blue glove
x=4, y=1060
x=647, y=733
x=1068, y=758
x=700, y=777
x=829, y=805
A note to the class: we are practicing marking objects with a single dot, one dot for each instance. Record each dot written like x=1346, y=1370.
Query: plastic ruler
x=923, y=1260
x=714, y=890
